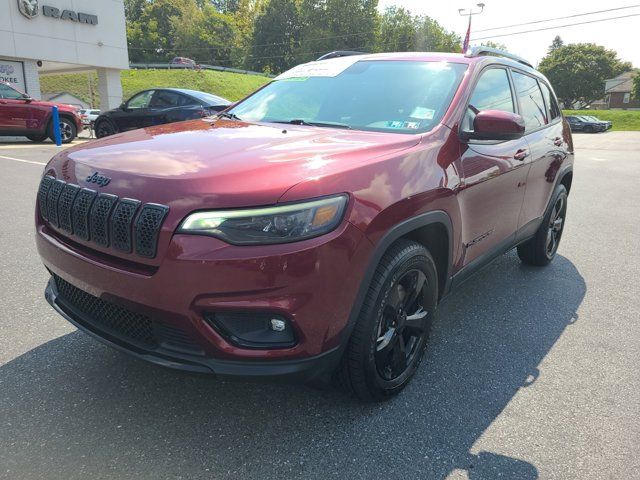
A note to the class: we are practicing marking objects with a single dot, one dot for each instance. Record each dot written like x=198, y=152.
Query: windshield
x=388, y=96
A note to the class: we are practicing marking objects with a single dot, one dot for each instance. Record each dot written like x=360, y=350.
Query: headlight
x=277, y=224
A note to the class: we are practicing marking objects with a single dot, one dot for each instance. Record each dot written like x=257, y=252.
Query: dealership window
x=627, y=98
x=7, y=92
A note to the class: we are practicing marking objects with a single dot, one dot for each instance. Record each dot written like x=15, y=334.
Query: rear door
x=494, y=173
x=549, y=147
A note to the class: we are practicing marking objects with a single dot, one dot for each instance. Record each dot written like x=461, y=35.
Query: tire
x=542, y=248
x=68, y=130
x=387, y=344
x=104, y=128
x=37, y=138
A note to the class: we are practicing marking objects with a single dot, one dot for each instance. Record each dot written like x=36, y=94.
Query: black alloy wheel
x=104, y=128
x=402, y=325
x=392, y=329
x=555, y=226
x=541, y=249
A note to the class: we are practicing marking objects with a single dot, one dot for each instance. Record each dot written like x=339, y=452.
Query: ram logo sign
x=28, y=8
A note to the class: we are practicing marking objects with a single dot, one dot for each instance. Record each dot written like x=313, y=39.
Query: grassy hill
x=232, y=86
x=622, y=119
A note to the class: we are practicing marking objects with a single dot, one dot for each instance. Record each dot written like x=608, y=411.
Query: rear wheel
x=68, y=130
x=104, y=128
x=390, y=336
x=542, y=248
x=37, y=138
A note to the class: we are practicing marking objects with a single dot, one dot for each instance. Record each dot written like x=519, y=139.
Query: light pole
x=469, y=12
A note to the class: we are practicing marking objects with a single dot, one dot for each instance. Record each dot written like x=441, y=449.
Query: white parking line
x=21, y=160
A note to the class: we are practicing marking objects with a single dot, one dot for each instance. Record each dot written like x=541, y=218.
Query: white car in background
x=88, y=116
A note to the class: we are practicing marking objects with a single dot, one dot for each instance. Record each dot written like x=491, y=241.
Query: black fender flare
x=399, y=230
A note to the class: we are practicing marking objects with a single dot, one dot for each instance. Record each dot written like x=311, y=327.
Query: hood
x=61, y=106
x=220, y=163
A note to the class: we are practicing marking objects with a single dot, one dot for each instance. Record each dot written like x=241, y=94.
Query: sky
x=621, y=35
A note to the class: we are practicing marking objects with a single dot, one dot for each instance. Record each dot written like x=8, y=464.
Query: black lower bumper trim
x=307, y=369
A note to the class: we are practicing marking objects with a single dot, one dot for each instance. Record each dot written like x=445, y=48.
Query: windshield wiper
x=230, y=115
x=300, y=121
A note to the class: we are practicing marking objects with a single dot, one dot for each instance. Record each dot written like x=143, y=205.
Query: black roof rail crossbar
x=479, y=51
x=338, y=53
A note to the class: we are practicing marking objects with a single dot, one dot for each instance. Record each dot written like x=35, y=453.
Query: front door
x=494, y=174
x=14, y=111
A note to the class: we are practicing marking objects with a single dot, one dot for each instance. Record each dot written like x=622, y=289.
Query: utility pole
x=469, y=12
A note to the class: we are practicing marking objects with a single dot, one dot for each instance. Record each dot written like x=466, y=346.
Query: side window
x=550, y=100
x=531, y=104
x=492, y=92
x=7, y=92
x=141, y=100
x=165, y=99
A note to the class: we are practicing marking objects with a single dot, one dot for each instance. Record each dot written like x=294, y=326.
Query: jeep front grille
x=104, y=219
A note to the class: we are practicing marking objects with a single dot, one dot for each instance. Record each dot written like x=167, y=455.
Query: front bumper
x=311, y=283
x=305, y=369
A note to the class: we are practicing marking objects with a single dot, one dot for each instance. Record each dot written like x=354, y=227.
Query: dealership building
x=40, y=37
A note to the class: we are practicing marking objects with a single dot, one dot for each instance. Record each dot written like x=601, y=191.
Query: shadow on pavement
x=72, y=408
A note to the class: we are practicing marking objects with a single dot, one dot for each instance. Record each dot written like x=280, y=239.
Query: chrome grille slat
x=125, y=224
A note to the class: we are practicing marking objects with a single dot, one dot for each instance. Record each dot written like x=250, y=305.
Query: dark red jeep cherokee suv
x=22, y=115
x=310, y=230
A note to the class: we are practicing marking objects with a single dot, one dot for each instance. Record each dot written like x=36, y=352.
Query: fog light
x=253, y=329
x=278, y=325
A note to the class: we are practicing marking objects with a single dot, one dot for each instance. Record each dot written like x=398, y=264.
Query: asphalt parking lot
x=532, y=373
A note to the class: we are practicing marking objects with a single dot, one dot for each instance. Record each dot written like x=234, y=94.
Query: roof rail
x=338, y=53
x=483, y=51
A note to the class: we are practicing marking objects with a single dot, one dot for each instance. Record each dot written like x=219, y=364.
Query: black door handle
x=521, y=154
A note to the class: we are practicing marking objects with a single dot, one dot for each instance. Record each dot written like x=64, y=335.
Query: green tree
x=556, y=44
x=336, y=25
x=635, y=93
x=401, y=31
x=498, y=45
x=578, y=71
x=276, y=37
x=397, y=31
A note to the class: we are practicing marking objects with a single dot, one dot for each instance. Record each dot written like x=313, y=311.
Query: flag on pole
x=465, y=45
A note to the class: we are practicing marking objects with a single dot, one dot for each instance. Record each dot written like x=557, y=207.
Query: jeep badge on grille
x=100, y=180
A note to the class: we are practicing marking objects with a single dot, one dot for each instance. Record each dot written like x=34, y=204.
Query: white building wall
x=31, y=78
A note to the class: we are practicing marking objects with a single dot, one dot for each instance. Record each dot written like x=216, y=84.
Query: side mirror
x=496, y=125
x=27, y=98
x=123, y=106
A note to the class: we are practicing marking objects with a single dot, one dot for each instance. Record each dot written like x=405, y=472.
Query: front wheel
x=68, y=130
x=390, y=335
x=542, y=248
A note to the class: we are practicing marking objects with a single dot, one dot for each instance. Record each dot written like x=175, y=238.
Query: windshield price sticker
x=324, y=68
